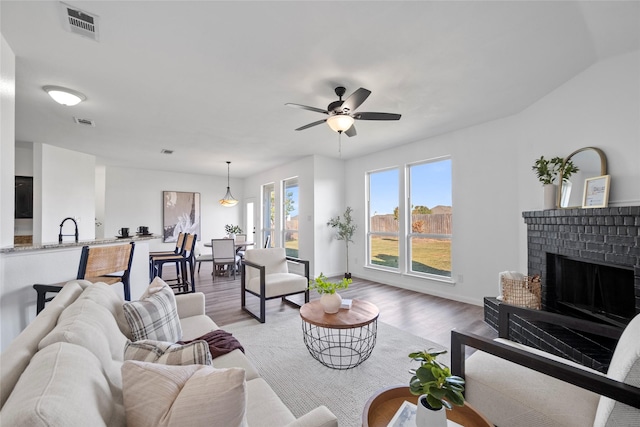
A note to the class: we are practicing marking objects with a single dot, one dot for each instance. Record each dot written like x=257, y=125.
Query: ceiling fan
x=342, y=114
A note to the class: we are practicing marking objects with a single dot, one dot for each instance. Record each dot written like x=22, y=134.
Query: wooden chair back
x=102, y=260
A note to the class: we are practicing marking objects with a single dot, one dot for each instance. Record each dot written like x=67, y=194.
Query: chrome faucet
x=62, y=223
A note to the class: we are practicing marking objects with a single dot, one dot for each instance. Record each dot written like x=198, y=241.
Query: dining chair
x=223, y=252
x=240, y=238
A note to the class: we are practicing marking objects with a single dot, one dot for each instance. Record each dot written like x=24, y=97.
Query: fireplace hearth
x=589, y=263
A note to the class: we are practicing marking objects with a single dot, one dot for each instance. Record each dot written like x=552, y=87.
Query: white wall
x=7, y=141
x=66, y=185
x=133, y=197
x=492, y=178
x=329, y=201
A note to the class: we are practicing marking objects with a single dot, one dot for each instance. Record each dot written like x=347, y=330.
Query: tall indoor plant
x=437, y=388
x=345, y=228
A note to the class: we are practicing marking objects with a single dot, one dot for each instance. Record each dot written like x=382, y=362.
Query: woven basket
x=523, y=293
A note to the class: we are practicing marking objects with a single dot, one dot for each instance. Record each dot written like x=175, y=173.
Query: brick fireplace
x=607, y=242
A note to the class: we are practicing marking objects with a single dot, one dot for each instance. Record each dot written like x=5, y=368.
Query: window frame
x=283, y=222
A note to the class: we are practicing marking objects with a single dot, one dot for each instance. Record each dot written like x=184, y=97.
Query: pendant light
x=227, y=201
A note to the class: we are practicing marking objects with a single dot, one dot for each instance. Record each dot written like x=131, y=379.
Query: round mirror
x=590, y=162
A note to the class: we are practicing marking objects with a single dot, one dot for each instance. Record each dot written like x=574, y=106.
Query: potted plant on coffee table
x=329, y=298
x=436, y=388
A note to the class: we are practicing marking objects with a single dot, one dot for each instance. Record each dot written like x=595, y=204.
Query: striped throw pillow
x=155, y=316
x=194, y=353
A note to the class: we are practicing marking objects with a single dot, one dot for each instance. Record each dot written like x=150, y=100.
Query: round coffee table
x=383, y=405
x=342, y=340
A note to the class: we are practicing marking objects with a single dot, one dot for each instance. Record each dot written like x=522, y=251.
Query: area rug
x=277, y=350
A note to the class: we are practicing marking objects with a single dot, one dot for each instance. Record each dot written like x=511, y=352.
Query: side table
x=342, y=340
x=383, y=405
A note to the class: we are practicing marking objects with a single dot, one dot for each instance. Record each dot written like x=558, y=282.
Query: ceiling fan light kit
x=342, y=114
x=228, y=200
x=340, y=122
x=64, y=96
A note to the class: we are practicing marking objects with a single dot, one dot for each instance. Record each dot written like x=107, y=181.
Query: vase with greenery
x=232, y=230
x=547, y=170
x=329, y=298
x=435, y=385
x=345, y=229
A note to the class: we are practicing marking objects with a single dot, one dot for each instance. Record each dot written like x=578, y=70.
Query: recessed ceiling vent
x=165, y=151
x=84, y=122
x=80, y=22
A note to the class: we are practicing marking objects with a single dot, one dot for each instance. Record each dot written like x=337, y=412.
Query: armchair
x=512, y=384
x=265, y=274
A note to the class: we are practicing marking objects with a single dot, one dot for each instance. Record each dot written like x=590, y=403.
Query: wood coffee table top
x=360, y=314
x=383, y=405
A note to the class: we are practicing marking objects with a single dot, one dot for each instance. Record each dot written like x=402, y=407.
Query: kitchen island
x=22, y=266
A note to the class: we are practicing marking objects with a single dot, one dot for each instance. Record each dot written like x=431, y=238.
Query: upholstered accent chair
x=265, y=274
x=516, y=385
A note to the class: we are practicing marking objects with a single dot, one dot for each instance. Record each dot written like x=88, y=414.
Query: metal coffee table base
x=340, y=348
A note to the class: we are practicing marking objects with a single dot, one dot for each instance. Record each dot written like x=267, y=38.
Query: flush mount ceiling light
x=340, y=122
x=64, y=96
x=228, y=200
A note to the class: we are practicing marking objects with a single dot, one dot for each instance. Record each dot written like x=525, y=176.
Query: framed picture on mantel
x=180, y=213
x=596, y=192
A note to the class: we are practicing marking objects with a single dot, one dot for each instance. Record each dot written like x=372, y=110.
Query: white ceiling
x=209, y=79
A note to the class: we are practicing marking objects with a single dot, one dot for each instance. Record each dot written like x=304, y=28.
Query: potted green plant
x=437, y=388
x=329, y=298
x=345, y=229
x=547, y=171
x=232, y=230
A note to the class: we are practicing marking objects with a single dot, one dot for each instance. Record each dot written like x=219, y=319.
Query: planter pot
x=428, y=417
x=549, y=191
x=331, y=302
x=347, y=275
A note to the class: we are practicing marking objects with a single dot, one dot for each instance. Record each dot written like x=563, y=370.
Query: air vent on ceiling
x=80, y=22
x=165, y=151
x=84, y=122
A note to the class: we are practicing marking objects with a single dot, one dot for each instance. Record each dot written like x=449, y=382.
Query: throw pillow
x=154, y=316
x=193, y=353
x=194, y=395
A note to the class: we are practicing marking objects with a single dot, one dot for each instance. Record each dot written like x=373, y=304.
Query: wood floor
x=423, y=315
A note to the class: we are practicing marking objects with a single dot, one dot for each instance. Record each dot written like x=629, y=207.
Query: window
x=411, y=231
x=429, y=235
x=268, y=213
x=383, y=218
x=290, y=209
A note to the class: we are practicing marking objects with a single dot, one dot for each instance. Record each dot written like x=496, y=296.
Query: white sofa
x=70, y=375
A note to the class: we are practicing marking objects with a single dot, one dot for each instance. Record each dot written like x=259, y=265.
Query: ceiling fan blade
x=306, y=107
x=312, y=124
x=376, y=116
x=355, y=100
x=351, y=131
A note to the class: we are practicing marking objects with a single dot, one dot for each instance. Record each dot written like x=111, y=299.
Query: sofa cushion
x=90, y=325
x=194, y=353
x=105, y=295
x=194, y=395
x=625, y=367
x=63, y=386
x=154, y=316
x=15, y=358
x=264, y=407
